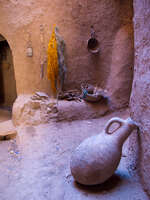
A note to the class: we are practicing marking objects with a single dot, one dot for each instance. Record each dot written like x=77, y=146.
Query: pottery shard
x=33, y=109
x=7, y=130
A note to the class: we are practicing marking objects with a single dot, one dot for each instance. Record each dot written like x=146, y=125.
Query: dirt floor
x=35, y=166
x=5, y=114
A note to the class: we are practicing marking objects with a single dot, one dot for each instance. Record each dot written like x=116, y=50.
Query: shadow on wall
x=7, y=78
x=121, y=70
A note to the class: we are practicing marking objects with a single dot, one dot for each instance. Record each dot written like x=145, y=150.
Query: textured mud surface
x=35, y=166
x=140, y=100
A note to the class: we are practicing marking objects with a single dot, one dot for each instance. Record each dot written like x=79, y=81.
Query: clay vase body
x=97, y=157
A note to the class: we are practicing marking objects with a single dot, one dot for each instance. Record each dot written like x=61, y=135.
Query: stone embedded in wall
x=121, y=69
x=33, y=109
x=140, y=98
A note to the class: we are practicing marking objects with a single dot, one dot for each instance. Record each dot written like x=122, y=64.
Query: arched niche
x=8, y=92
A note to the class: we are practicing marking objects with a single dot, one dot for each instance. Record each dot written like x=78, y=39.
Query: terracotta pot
x=97, y=157
x=93, y=45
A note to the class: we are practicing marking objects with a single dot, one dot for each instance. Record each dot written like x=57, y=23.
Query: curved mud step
x=7, y=130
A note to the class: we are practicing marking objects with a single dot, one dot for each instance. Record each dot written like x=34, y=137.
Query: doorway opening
x=8, y=92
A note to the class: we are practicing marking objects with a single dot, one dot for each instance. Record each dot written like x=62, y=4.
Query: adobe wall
x=120, y=78
x=22, y=22
x=140, y=98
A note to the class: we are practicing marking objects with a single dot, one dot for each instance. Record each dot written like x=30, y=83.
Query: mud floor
x=5, y=114
x=35, y=166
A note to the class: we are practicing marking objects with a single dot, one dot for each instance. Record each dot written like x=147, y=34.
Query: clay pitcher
x=97, y=157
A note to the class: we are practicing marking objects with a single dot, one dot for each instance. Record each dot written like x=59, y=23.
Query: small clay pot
x=93, y=45
x=96, y=158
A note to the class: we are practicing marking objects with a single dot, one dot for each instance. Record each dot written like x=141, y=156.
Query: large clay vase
x=97, y=157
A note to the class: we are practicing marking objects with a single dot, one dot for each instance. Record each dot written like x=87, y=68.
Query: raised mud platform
x=34, y=110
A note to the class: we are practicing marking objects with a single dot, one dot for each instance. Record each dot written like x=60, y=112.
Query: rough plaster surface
x=140, y=99
x=33, y=110
x=35, y=166
x=21, y=23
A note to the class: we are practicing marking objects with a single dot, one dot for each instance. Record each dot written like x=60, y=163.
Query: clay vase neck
x=123, y=131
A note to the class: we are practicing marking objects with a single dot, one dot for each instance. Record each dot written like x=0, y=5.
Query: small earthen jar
x=97, y=157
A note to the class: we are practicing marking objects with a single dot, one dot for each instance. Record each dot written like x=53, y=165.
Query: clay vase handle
x=111, y=121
